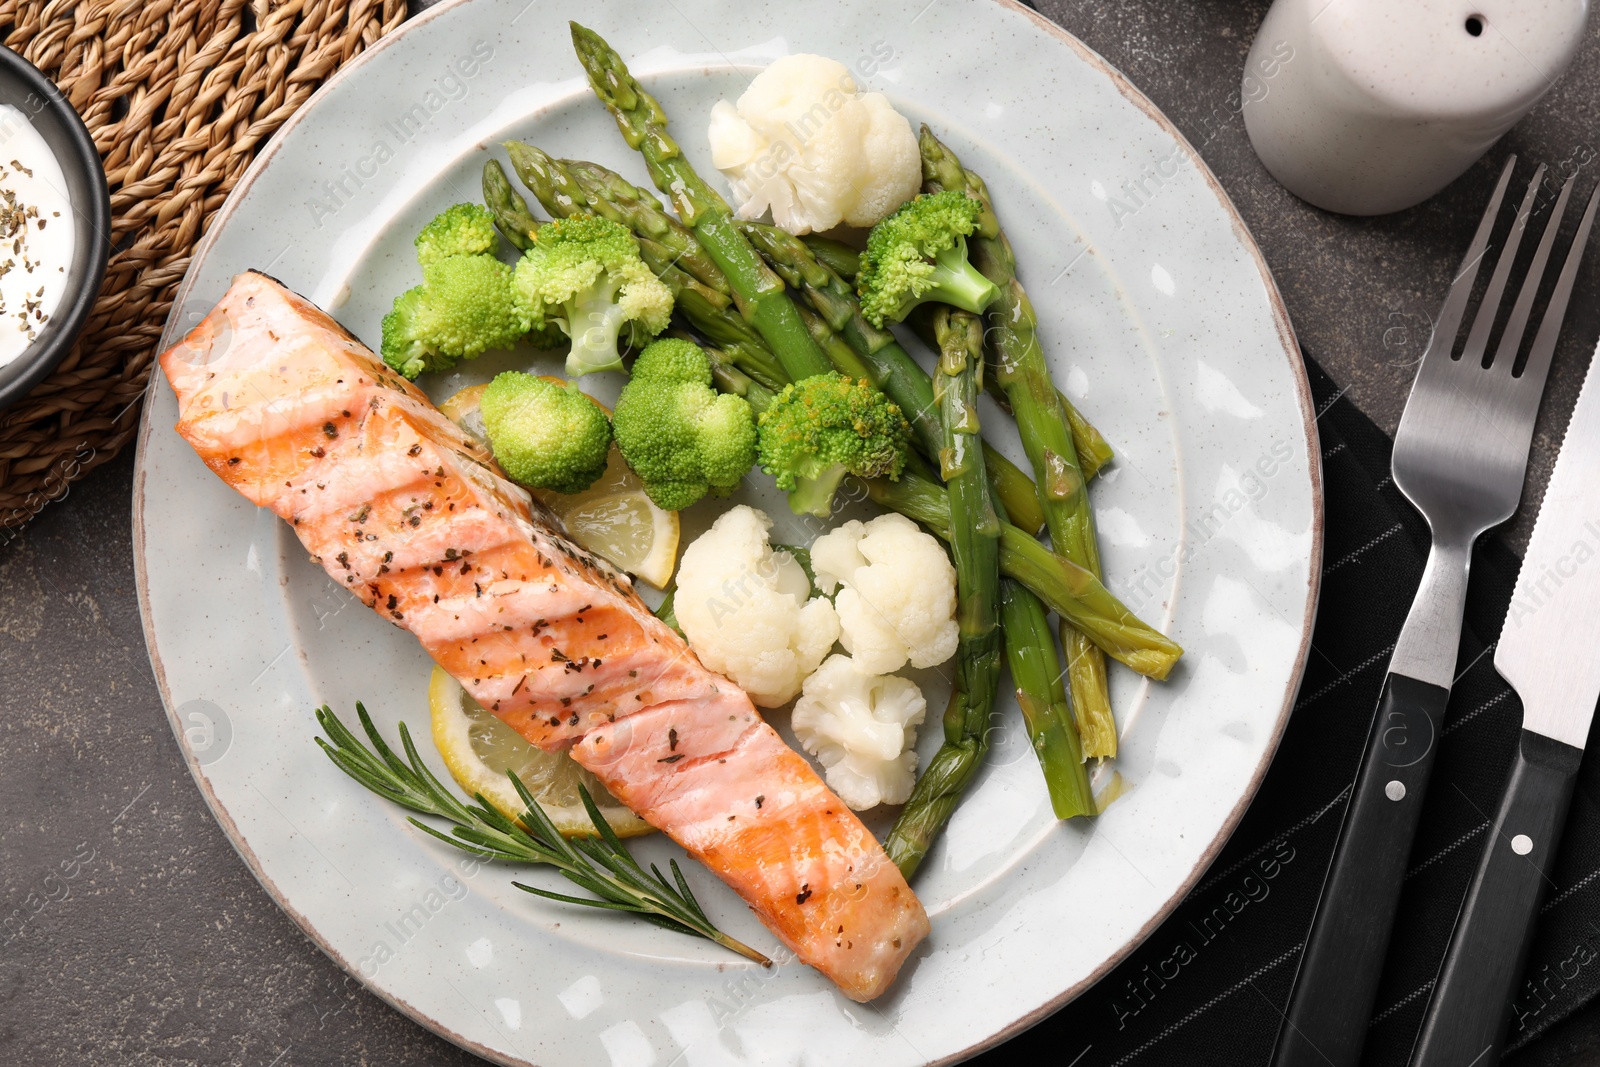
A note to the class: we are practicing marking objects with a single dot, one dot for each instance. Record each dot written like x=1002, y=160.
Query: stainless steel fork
x=1460, y=457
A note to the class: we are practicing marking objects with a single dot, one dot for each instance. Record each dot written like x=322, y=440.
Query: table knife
x=1547, y=652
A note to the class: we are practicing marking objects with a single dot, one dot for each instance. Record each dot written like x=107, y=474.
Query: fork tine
x=1544, y=342
x=1505, y=354
x=1489, y=309
x=1455, y=305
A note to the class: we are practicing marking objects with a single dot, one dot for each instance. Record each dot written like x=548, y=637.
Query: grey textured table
x=161, y=948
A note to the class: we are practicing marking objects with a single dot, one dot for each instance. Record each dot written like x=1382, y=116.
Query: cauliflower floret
x=804, y=144
x=745, y=611
x=861, y=727
x=899, y=597
x=894, y=156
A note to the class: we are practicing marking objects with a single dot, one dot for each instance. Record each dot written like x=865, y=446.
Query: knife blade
x=1548, y=653
x=1547, y=646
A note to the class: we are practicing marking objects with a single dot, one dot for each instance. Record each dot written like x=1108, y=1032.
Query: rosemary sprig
x=601, y=864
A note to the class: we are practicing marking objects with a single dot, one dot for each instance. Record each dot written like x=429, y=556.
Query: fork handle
x=1338, y=977
x=1471, y=1005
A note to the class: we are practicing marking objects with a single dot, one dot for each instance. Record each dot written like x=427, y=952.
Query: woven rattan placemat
x=179, y=95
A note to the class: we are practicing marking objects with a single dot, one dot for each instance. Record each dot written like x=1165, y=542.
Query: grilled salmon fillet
x=413, y=517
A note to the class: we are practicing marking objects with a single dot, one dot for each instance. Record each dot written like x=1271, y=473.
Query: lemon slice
x=617, y=519
x=462, y=409
x=478, y=749
x=613, y=518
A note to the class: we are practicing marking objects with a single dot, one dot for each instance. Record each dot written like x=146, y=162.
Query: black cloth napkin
x=1209, y=985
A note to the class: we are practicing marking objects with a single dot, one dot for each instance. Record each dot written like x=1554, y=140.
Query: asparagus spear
x=700, y=295
x=842, y=356
x=559, y=193
x=835, y=255
x=644, y=126
x=1094, y=451
x=1073, y=592
x=891, y=367
x=511, y=212
x=1036, y=672
x=1022, y=372
x=975, y=547
x=728, y=378
x=612, y=195
x=520, y=224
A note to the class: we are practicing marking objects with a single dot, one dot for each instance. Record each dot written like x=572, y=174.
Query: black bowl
x=29, y=91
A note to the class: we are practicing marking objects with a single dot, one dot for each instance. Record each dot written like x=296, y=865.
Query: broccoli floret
x=461, y=230
x=818, y=430
x=469, y=306
x=464, y=307
x=544, y=435
x=680, y=436
x=403, y=347
x=585, y=274
x=919, y=254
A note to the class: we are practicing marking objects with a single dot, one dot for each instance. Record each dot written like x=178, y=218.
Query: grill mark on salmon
x=411, y=515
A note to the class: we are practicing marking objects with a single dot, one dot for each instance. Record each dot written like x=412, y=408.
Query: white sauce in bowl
x=36, y=233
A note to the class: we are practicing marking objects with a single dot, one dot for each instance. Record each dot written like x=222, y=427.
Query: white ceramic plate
x=1161, y=320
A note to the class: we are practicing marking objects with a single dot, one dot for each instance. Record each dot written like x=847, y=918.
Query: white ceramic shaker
x=1382, y=103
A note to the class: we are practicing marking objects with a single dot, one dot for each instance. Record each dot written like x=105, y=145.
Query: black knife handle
x=1338, y=978
x=1471, y=1004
